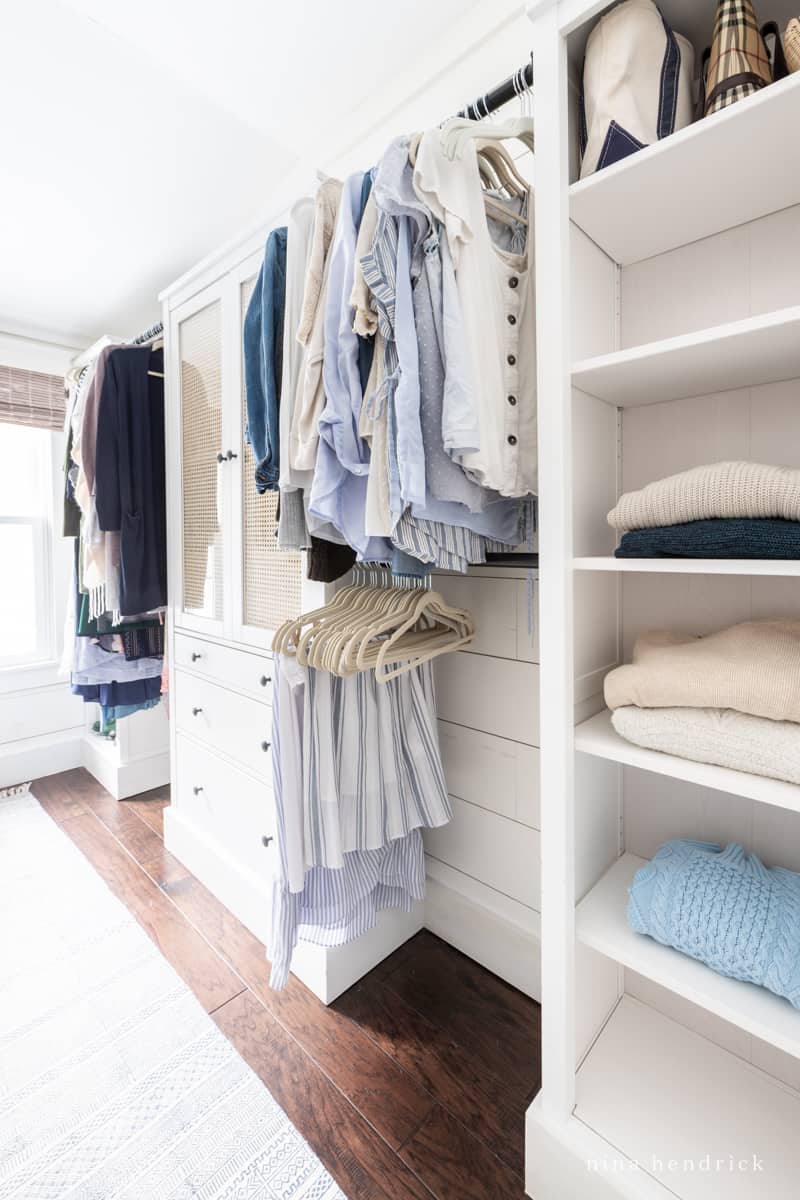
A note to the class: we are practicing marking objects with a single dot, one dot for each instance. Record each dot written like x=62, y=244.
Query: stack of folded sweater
x=724, y=510
x=724, y=908
x=731, y=698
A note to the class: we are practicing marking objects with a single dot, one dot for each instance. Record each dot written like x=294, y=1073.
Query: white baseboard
x=127, y=779
x=327, y=973
x=33, y=758
x=500, y=934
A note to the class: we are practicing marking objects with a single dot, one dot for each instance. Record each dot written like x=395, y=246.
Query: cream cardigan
x=724, y=489
x=753, y=667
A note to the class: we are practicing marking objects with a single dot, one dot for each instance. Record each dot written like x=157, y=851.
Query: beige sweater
x=753, y=668
x=724, y=489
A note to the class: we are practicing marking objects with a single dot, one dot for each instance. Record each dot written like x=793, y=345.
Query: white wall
x=41, y=723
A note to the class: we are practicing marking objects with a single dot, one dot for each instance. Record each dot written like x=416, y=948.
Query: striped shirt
x=357, y=772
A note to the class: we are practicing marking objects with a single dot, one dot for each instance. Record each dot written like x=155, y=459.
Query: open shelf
x=691, y=566
x=601, y=923
x=597, y=736
x=733, y=167
x=657, y=1092
x=739, y=354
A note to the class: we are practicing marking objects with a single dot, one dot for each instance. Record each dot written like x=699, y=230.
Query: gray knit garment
x=724, y=489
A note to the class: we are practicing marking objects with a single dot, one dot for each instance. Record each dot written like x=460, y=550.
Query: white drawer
x=231, y=808
x=500, y=853
x=236, y=725
x=496, y=695
x=247, y=671
x=492, y=772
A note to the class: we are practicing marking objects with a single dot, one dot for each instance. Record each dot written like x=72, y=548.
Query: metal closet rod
x=520, y=81
x=150, y=333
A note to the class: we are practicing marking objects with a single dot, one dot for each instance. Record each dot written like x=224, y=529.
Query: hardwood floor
x=411, y=1086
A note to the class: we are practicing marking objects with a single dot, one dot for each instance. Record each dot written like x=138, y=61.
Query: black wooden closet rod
x=520, y=81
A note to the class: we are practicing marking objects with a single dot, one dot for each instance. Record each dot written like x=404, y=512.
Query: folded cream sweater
x=724, y=489
x=716, y=735
x=753, y=668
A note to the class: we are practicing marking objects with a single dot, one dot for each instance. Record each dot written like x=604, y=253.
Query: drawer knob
x=197, y=789
x=196, y=711
x=266, y=839
x=221, y=457
x=265, y=746
x=231, y=455
x=265, y=679
x=195, y=655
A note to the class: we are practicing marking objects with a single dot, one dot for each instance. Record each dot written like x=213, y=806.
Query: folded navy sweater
x=717, y=538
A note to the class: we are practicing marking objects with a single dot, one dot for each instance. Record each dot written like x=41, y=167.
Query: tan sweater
x=724, y=489
x=753, y=668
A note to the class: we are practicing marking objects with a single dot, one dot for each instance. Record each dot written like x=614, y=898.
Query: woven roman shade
x=31, y=398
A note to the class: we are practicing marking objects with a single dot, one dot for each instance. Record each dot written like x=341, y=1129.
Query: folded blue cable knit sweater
x=726, y=909
x=720, y=537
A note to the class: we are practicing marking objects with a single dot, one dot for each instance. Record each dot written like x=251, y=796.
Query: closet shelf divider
x=598, y=737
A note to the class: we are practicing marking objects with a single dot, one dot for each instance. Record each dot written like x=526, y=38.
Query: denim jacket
x=263, y=361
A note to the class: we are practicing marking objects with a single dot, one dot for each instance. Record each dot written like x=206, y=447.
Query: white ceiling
x=139, y=136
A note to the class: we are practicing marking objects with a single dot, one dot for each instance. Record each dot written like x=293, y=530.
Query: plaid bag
x=738, y=63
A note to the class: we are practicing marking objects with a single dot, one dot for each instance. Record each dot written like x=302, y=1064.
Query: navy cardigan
x=130, y=481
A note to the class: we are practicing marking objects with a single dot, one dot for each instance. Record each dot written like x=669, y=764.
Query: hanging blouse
x=338, y=493
x=310, y=398
x=495, y=288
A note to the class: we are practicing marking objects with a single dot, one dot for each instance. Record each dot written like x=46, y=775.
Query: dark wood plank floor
x=412, y=1085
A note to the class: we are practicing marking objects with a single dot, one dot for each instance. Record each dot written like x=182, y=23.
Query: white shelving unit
x=777, y=567
x=760, y=349
x=598, y=737
x=662, y=184
x=602, y=924
x=670, y=337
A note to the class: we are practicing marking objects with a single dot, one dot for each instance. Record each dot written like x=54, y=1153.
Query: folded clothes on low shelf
x=725, y=908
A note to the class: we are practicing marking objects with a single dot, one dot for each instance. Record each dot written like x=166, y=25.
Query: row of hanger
x=367, y=626
x=498, y=171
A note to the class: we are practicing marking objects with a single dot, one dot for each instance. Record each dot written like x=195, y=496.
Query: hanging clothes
x=131, y=474
x=496, y=291
x=263, y=361
x=115, y=469
x=357, y=774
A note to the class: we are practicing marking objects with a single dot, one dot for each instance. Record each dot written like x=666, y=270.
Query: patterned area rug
x=114, y=1082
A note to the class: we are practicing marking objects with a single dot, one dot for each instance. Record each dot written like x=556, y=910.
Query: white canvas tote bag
x=637, y=84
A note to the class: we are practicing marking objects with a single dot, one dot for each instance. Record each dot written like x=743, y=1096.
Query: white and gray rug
x=114, y=1082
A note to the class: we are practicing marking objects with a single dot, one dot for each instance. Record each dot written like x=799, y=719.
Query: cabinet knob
x=197, y=789
x=196, y=655
x=231, y=455
x=265, y=746
x=221, y=457
x=265, y=679
x=266, y=839
x=196, y=711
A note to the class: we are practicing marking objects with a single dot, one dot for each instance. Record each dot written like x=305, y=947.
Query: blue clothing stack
x=724, y=908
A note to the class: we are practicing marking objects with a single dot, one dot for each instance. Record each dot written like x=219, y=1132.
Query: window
x=26, y=584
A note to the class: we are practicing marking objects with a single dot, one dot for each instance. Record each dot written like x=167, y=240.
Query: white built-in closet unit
x=230, y=588
x=668, y=336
